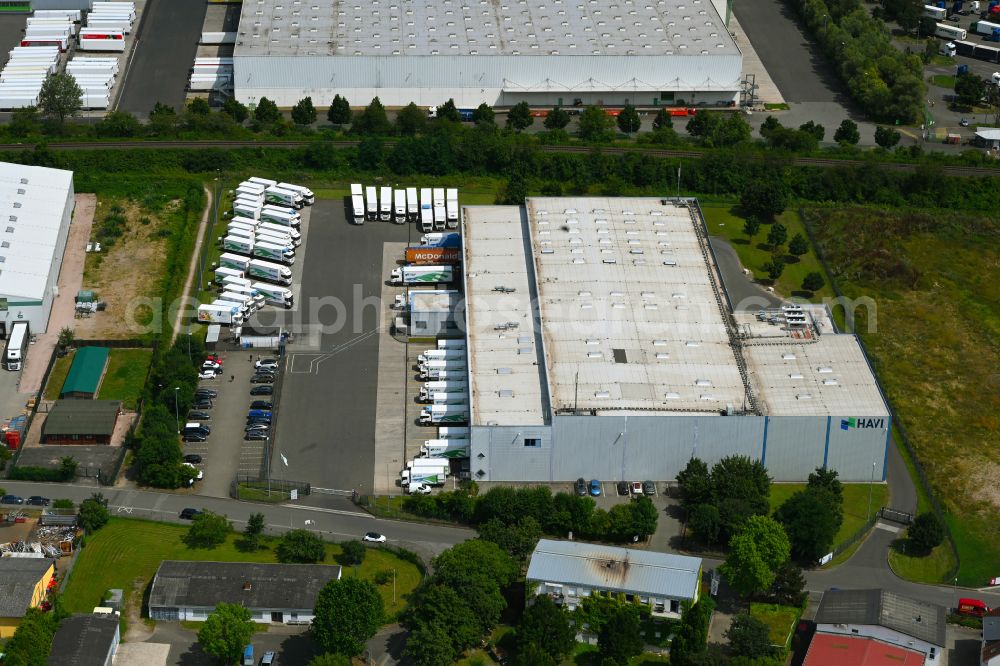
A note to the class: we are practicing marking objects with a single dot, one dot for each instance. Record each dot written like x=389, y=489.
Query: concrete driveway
x=292, y=643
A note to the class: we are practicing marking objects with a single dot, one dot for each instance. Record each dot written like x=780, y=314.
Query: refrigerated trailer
x=17, y=346
x=412, y=205
x=399, y=206
x=308, y=197
x=358, y=209
x=979, y=51
x=949, y=31
x=274, y=295
x=421, y=274
x=371, y=203
x=451, y=211
x=385, y=204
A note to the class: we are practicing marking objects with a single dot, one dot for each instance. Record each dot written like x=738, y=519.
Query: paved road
x=163, y=55
x=336, y=520
x=744, y=295
x=333, y=446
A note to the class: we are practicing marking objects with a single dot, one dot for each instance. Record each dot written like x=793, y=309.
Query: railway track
x=976, y=172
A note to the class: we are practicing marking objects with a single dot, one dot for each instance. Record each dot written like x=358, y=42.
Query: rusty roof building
x=570, y=570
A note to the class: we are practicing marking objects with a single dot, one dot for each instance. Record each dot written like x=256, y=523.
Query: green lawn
x=126, y=553
x=722, y=221
x=58, y=376
x=125, y=376
x=943, y=81
x=780, y=620
x=927, y=569
x=855, y=503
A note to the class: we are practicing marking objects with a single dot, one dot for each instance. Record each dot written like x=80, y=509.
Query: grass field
x=926, y=569
x=126, y=553
x=933, y=339
x=855, y=503
x=58, y=376
x=780, y=620
x=723, y=221
x=125, y=376
x=943, y=80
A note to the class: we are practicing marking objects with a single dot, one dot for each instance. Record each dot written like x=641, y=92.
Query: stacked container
x=210, y=74
x=107, y=25
x=22, y=77
x=49, y=31
x=95, y=76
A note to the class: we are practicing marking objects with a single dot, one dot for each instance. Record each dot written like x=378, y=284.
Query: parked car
x=256, y=435
x=208, y=374
x=257, y=425
x=420, y=489
x=262, y=390
x=622, y=487
x=648, y=488
x=259, y=422
x=595, y=487
x=198, y=426
x=202, y=403
x=192, y=458
x=38, y=500
x=195, y=415
x=214, y=359
x=269, y=659
x=195, y=436
x=581, y=486
x=190, y=514
x=11, y=499
x=261, y=404
x=374, y=537
x=636, y=488
x=211, y=365
x=199, y=474
x=262, y=378
x=266, y=363
x=201, y=391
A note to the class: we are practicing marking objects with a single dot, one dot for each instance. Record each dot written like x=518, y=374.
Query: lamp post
x=177, y=418
x=871, y=487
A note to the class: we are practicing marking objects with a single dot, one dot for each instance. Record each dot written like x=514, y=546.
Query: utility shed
x=81, y=422
x=85, y=374
x=86, y=640
x=279, y=593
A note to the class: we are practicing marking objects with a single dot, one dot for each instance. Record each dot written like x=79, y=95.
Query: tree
x=827, y=479
x=266, y=111
x=339, y=112
x=437, y=605
x=644, y=516
x=372, y=121
x=688, y=645
x=519, y=117
x=304, y=113
x=449, y=111
x=66, y=337
x=162, y=119
x=813, y=281
x=594, y=124
x=926, y=533
x=32, y=641
x=24, y=121
x=886, y=137
x=517, y=540
x=93, y=514
x=702, y=123
x=432, y=645
x=208, y=530
x=798, y=245
x=815, y=129
x=546, y=626
x=628, y=120
x=515, y=191
x=695, y=484
x=532, y=655
x=811, y=519
x=662, y=120
x=969, y=89
x=788, y=588
x=704, y=521
x=847, y=134
x=777, y=235
x=226, y=632
x=769, y=126
x=330, y=659
x=353, y=552
x=620, y=638
x=60, y=98
x=774, y=268
x=348, y=612
x=475, y=559
x=751, y=226
x=755, y=554
x=199, y=107
x=749, y=637
x=300, y=546
x=556, y=119
x=741, y=489
x=411, y=120
x=236, y=110
x=119, y=124
x=764, y=198
x=254, y=530
x=484, y=115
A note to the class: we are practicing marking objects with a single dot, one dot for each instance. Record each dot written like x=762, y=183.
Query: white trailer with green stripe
x=422, y=274
x=276, y=196
x=445, y=448
x=274, y=295
x=448, y=414
x=234, y=261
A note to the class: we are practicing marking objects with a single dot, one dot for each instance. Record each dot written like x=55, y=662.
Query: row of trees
x=513, y=516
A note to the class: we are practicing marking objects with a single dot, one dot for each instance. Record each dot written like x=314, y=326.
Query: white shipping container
x=102, y=45
x=218, y=38
x=15, y=101
x=61, y=42
x=72, y=14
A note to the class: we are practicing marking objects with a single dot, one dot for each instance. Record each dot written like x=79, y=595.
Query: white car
x=211, y=365
x=420, y=489
x=200, y=473
x=208, y=374
x=374, y=537
x=271, y=363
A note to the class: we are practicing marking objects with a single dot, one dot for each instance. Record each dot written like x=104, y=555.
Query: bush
x=353, y=552
x=926, y=533
x=301, y=546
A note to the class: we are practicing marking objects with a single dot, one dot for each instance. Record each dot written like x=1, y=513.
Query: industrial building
x=36, y=207
x=81, y=422
x=602, y=345
x=435, y=312
x=607, y=52
x=86, y=640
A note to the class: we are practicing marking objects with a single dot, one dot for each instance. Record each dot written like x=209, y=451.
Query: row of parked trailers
x=210, y=74
x=107, y=23
x=436, y=208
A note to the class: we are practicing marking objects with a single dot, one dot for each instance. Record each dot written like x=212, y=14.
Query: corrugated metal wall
x=470, y=80
x=613, y=448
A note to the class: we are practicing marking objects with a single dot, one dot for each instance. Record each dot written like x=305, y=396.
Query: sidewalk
x=63, y=307
x=767, y=91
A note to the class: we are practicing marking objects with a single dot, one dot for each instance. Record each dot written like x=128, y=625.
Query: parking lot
x=327, y=408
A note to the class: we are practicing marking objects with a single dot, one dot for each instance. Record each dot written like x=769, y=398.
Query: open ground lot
x=125, y=376
x=327, y=418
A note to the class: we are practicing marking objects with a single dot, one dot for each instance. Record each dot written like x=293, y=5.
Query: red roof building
x=835, y=650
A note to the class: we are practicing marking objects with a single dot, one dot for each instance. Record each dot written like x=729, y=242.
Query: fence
x=251, y=487
x=133, y=343
x=900, y=434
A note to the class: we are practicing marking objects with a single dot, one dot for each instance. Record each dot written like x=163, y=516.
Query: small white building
x=36, y=208
x=273, y=593
x=885, y=617
x=988, y=137
x=568, y=571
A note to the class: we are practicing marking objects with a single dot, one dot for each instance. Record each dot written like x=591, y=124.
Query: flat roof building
x=601, y=344
x=475, y=51
x=36, y=208
x=85, y=373
x=86, y=640
x=81, y=422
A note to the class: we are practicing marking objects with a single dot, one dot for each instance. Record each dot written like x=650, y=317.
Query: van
x=248, y=656
x=972, y=607
x=269, y=659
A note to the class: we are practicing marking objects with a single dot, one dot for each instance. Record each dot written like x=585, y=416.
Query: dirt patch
x=137, y=630
x=124, y=272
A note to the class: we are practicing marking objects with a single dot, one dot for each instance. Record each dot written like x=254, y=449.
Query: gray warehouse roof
x=18, y=578
x=908, y=616
x=482, y=28
x=616, y=569
x=83, y=640
x=205, y=584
